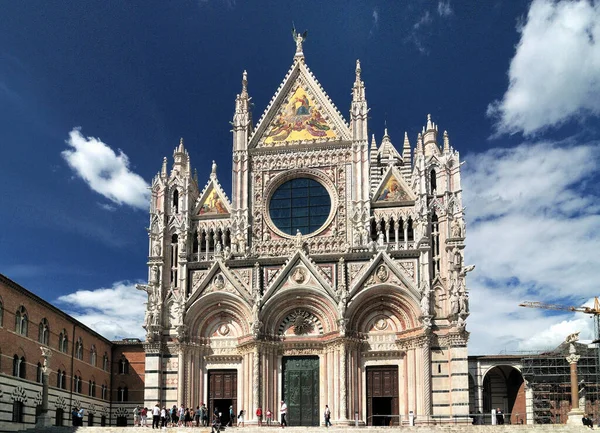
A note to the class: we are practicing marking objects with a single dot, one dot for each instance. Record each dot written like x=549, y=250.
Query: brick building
x=80, y=368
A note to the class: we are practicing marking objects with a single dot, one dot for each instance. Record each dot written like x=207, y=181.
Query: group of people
x=77, y=417
x=173, y=417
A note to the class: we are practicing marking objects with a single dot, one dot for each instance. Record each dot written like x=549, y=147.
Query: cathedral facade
x=333, y=275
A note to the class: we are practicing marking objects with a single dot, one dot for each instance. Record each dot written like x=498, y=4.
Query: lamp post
x=44, y=418
x=576, y=413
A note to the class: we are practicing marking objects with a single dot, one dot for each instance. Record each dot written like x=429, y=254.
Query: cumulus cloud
x=444, y=9
x=105, y=171
x=534, y=234
x=553, y=76
x=115, y=312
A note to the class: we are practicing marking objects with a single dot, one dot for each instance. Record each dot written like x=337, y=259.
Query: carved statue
x=154, y=275
x=365, y=236
x=380, y=239
x=156, y=247
x=299, y=38
x=356, y=238
x=456, y=229
x=571, y=338
x=425, y=303
x=342, y=303
x=454, y=307
x=463, y=303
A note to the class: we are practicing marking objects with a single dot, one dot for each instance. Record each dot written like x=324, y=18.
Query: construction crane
x=594, y=311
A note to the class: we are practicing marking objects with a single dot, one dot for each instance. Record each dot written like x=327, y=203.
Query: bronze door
x=301, y=390
x=382, y=395
x=222, y=393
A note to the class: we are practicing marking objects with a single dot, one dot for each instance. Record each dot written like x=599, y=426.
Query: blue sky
x=514, y=83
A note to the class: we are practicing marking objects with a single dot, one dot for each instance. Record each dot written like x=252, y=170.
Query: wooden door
x=382, y=390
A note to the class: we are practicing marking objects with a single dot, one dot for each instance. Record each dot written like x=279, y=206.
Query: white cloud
x=534, y=233
x=553, y=76
x=116, y=312
x=423, y=21
x=104, y=171
x=375, y=17
x=444, y=9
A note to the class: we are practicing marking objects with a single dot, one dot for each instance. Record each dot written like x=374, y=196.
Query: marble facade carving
x=380, y=281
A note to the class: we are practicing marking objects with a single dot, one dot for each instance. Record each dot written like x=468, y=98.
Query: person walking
x=231, y=416
x=144, y=417
x=499, y=417
x=327, y=415
x=269, y=415
x=240, y=418
x=163, y=417
x=204, y=410
x=156, y=416
x=136, y=416
x=259, y=415
x=283, y=411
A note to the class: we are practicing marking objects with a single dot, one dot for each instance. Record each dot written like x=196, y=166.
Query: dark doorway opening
x=222, y=406
x=382, y=409
x=222, y=393
x=301, y=390
x=121, y=421
x=382, y=396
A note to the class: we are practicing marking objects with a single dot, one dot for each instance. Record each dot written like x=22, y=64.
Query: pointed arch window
x=79, y=348
x=77, y=384
x=176, y=201
x=174, y=259
x=105, y=362
x=433, y=181
x=123, y=366
x=103, y=392
x=122, y=394
x=44, y=332
x=435, y=244
x=92, y=388
x=21, y=321
x=93, y=355
x=19, y=365
x=63, y=341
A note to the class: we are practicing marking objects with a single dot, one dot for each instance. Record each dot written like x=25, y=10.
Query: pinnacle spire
x=358, y=70
x=446, y=142
x=373, y=143
x=244, y=84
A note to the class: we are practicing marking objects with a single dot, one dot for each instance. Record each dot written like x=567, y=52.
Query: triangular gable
x=301, y=270
x=219, y=278
x=392, y=189
x=300, y=112
x=212, y=202
x=382, y=258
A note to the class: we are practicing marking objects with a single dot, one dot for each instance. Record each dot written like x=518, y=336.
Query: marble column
x=343, y=388
x=44, y=419
x=575, y=414
x=181, y=375
x=251, y=411
x=426, y=364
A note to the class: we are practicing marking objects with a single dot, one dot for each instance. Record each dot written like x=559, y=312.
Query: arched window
x=21, y=321
x=19, y=367
x=93, y=355
x=175, y=201
x=410, y=233
x=92, y=388
x=123, y=366
x=79, y=348
x=59, y=375
x=44, y=332
x=174, y=259
x=433, y=181
x=435, y=244
x=122, y=394
x=63, y=341
x=77, y=384
x=103, y=392
x=39, y=373
x=105, y=362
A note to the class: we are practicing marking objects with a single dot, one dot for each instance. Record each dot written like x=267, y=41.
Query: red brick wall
x=13, y=296
x=134, y=380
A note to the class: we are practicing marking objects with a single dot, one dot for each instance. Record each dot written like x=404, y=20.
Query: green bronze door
x=301, y=390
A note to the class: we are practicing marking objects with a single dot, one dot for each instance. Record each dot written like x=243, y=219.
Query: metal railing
x=472, y=418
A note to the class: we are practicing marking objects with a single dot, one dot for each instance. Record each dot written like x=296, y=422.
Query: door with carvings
x=222, y=393
x=301, y=390
x=382, y=395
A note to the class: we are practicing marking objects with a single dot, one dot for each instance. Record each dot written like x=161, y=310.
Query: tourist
x=327, y=416
x=231, y=415
x=197, y=416
x=163, y=416
x=136, y=416
x=259, y=415
x=269, y=415
x=74, y=416
x=80, y=417
x=587, y=421
x=283, y=411
x=499, y=417
x=216, y=422
x=144, y=417
x=204, y=410
x=174, y=417
x=156, y=416
x=181, y=415
x=240, y=418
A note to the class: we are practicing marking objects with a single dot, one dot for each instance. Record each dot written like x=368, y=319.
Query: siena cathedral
x=332, y=274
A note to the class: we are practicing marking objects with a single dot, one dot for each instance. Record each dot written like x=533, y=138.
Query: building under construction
x=548, y=383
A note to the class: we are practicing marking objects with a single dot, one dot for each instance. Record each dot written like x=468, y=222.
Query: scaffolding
x=548, y=378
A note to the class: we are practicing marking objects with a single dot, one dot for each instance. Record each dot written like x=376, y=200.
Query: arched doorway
x=504, y=388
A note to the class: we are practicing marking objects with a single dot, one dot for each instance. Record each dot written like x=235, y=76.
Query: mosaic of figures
x=299, y=120
x=212, y=204
x=392, y=191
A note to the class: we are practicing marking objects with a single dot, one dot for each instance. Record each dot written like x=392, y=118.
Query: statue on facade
x=463, y=302
x=454, y=306
x=156, y=247
x=425, y=306
x=342, y=303
x=299, y=39
x=154, y=275
x=456, y=229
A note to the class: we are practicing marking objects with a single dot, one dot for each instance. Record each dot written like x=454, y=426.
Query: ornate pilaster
x=181, y=352
x=343, y=385
x=255, y=382
x=426, y=366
